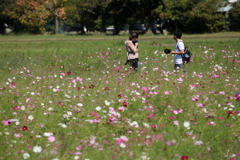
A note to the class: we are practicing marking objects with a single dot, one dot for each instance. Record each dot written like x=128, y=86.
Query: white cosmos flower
x=62, y=125
x=50, y=108
x=146, y=125
x=79, y=104
x=26, y=155
x=22, y=107
x=38, y=136
x=107, y=103
x=144, y=156
x=30, y=117
x=198, y=143
x=37, y=149
x=98, y=108
x=69, y=113
x=122, y=145
x=47, y=134
x=134, y=124
x=76, y=157
x=186, y=124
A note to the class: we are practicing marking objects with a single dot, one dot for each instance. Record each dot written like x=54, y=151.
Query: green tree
x=235, y=17
x=4, y=19
x=88, y=13
x=31, y=14
x=204, y=17
x=58, y=11
x=122, y=12
x=192, y=15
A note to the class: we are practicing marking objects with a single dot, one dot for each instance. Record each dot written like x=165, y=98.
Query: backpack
x=186, y=57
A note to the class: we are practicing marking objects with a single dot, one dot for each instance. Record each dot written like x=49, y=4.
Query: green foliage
x=234, y=17
x=191, y=16
x=204, y=17
x=31, y=15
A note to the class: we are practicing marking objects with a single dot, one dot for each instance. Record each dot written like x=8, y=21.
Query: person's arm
x=132, y=47
x=179, y=52
x=136, y=44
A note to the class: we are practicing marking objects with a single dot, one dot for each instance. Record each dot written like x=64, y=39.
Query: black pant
x=134, y=62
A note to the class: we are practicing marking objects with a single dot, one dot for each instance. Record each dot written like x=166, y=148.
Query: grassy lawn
x=63, y=97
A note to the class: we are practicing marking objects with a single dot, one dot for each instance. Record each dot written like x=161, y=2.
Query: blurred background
x=160, y=17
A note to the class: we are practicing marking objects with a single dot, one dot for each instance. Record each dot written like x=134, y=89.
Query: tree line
x=191, y=16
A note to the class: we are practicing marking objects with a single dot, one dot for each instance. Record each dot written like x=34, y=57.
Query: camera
x=167, y=51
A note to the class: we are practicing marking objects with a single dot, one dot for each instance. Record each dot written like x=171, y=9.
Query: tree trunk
x=103, y=29
x=55, y=12
x=56, y=25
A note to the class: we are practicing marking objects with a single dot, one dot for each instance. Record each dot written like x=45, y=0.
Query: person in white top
x=178, y=62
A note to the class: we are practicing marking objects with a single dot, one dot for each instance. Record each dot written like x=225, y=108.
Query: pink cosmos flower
x=211, y=123
x=51, y=138
x=220, y=118
x=79, y=148
x=237, y=97
x=179, y=110
x=125, y=104
x=120, y=109
x=222, y=92
x=166, y=92
x=195, y=98
x=228, y=124
x=149, y=108
x=176, y=123
x=148, y=142
x=119, y=141
x=7, y=122
x=154, y=127
x=172, y=142
x=16, y=108
x=179, y=79
x=124, y=138
x=25, y=128
x=117, y=68
x=200, y=105
x=144, y=89
x=184, y=158
x=150, y=115
x=230, y=113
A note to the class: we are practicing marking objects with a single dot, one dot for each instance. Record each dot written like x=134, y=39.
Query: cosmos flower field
x=75, y=99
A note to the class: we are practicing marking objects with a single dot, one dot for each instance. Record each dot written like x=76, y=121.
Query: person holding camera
x=179, y=50
x=132, y=50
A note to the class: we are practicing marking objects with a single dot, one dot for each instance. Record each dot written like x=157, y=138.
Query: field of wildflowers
x=75, y=99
